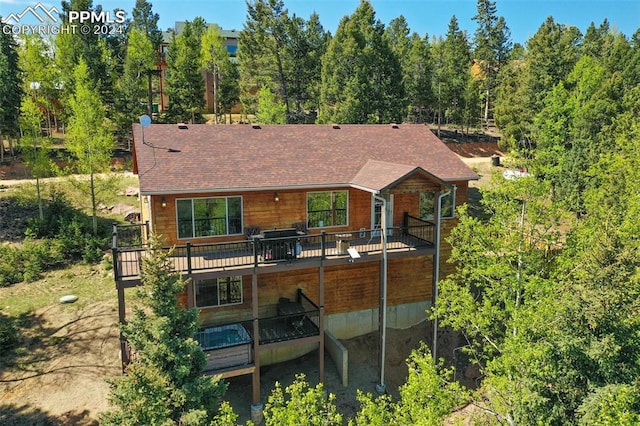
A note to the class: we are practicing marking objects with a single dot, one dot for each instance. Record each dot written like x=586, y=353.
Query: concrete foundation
x=340, y=356
x=352, y=324
x=346, y=326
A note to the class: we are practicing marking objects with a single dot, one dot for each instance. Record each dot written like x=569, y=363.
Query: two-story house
x=292, y=233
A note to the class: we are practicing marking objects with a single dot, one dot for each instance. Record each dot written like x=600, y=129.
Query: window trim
x=330, y=191
x=229, y=279
x=193, y=228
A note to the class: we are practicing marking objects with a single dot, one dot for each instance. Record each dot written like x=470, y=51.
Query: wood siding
x=261, y=210
x=352, y=287
x=348, y=287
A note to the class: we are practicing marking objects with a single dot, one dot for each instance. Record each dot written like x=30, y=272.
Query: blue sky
x=523, y=17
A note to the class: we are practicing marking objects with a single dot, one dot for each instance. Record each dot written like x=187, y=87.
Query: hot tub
x=225, y=346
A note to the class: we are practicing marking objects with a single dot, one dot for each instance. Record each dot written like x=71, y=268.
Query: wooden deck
x=299, y=326
x=302, y=252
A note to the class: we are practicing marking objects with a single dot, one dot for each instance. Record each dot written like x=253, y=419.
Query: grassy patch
x=91, y=283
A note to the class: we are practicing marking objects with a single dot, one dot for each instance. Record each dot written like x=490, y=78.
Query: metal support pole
x=380, y=387
x=436, y=271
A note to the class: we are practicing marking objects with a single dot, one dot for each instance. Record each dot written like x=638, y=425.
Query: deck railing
x=274, y=327
x=414, y=233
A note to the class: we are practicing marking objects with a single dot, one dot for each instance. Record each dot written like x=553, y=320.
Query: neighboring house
x=280, y=229
x=161, y=99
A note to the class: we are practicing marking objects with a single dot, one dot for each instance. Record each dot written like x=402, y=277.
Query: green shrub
x=10, y=273
x=71, y=235
x=93, y=249
x=9, y=335
x=56, y=213
x=62, y=236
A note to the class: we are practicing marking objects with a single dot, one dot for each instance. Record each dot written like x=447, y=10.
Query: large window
x=218, y=292
x=327, y=208
x=209, y=217
x=428, y=205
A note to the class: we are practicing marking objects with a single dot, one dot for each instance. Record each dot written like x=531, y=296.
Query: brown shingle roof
x=378, y=175
x=204, y=158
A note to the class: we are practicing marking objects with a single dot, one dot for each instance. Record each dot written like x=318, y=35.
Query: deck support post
x=190, y=284
x=256, y=336
x=321, y=320
x=124, y=346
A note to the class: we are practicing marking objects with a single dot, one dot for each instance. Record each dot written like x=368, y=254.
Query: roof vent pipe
x=394, y=126
x=182, y=126
x=335, y=126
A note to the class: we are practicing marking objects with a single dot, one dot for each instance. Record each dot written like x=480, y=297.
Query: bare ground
x=364, y=369
x=68, y=354
x=58, y=375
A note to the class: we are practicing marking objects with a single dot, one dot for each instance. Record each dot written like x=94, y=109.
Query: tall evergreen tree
x=551, y=53
x=10, y=86
x=164, y=384
x=513, y=116
x=492, y=45
x=94, y=49
x=418, y=78
x=229, y=90
x=361, y=76
x=302, y=58
x=260, y=51
x=133, y=86
x=185, y=86
x=455, y=73
x=397, y=37
x=146, y=20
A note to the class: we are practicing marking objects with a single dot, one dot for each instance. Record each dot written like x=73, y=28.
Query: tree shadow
x=19, y=415
x=40, y=343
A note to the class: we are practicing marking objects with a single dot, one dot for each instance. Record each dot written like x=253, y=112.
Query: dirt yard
x=58, y=376
x=364, y=369
x=70, y=353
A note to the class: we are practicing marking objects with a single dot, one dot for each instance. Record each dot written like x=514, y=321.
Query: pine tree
x=133, y=86
x=418, y=75
x=164, y=383
x=361, y=76
x=214, y=59
x=551, y=54
x=456, y=64
x=97, y=52
x=302, y=58
x=145, y=20
x=185, y=86
x=492, y=47
x=260, y=51
x=10, y=86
